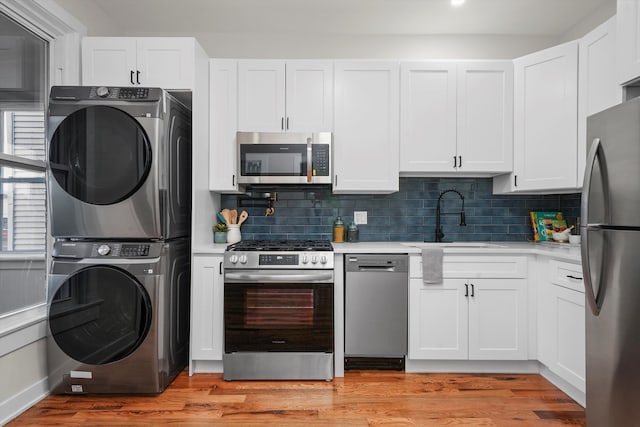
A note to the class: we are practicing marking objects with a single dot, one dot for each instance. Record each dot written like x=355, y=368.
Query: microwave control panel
x=320, y=161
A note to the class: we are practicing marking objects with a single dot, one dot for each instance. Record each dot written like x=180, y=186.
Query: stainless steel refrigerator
x=611, y=265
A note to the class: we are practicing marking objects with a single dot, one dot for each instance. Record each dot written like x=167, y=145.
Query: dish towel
x=432, y=266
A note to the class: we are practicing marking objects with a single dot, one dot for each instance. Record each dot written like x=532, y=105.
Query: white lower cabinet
x=471, y=318
x=207, y=295
x=561, y=323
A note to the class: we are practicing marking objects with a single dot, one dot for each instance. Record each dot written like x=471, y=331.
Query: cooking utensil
x=226, y=215
x=221, y=218
x=243, y=217
x=234, y=216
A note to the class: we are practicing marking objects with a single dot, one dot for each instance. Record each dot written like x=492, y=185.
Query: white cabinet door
x=438, y=320
x=561, y=323
x=628, y=40
x=497, y=319
x=366, y=127
x=456, y=117
x=598, y=87
x=261, y=96
x=428, y=116
x=223, y=124
x=108, y=61
x=206, y=307
x=485, y=117
x=545, y=121
x=570, y=362
x=166, y=62
x=309, y=96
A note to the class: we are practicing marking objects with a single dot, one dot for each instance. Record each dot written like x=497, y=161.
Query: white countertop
x=561, y=251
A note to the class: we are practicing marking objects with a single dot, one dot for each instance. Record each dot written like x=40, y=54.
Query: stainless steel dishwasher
x=376, y=301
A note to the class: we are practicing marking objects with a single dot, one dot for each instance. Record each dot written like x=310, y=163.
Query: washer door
x=100, y=155
x=99, y=315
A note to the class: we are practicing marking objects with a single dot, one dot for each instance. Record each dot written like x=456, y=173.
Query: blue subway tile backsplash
x=408, y=215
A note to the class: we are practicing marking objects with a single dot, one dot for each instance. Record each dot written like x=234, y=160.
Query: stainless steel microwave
x=284, y=158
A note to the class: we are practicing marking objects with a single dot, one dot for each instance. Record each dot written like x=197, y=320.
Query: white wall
x=251, y=45
x=24, y=379
x=273, y=45
x=599, y=16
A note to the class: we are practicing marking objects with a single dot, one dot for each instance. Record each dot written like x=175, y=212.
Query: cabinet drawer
x=485, y=266
x=475, y=266
x=567, y=275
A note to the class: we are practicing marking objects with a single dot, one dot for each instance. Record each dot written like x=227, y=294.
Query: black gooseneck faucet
x=439, y=233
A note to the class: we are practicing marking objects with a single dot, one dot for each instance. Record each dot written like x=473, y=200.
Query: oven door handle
x=326, y=276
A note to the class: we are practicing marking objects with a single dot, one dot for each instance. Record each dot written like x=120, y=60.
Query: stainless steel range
x=278, y=310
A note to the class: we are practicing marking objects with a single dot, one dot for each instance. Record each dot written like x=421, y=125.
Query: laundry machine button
x=104, y=250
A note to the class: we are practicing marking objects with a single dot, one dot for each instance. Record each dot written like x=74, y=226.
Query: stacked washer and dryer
x=119, y=176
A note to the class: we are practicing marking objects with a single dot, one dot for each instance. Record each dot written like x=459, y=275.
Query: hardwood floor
x=362, y=398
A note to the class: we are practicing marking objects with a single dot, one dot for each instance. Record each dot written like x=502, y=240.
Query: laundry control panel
x=106, y=249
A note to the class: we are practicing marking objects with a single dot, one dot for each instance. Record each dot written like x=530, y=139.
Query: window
x=23, y=213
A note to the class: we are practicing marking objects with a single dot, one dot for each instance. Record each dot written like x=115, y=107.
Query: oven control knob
x=243, y=259
x=233, y=259
x=305, y=259
x=323, y=259
x=314, y=259
x=102, y=91
x=104, y=250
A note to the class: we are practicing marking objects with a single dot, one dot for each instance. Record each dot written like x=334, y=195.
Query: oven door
x=278, y=311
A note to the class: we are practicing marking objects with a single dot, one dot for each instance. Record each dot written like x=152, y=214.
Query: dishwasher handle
x=391, y=268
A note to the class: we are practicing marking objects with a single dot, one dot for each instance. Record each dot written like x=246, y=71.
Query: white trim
x=22, y=327
x=45, y=17
x=59, y=28
x=15, y=405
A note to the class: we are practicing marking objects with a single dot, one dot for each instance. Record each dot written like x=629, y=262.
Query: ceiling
x=380, y=17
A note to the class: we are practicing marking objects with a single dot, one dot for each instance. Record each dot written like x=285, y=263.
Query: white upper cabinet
x=456, y=117
x=223, y=124
x=598, y=87
x=366, y=132
x=165, y=62
x=275, y=96
x=545, y=121
x=485, y=116
x=628, y=40
x=427, y=116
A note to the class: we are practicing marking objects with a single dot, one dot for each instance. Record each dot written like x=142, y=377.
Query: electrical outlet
x=360, y=217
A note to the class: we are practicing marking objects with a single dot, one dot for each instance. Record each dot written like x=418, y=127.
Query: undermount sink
x=454, y=245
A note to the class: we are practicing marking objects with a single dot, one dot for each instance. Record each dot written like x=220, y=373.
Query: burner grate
x=281, y=245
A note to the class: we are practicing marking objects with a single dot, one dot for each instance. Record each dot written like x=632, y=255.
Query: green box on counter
x=544, y=224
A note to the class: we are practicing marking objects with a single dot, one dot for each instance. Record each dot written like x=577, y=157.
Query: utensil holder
x=233, y=234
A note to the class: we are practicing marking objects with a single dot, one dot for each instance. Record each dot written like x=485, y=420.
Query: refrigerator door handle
x=596, y=153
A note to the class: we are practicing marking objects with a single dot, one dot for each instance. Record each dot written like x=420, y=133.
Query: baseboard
x=205, y=367
x=15, y=405
x=474, y=366
x=568, y=388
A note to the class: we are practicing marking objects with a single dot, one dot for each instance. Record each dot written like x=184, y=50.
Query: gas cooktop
x=281, y=245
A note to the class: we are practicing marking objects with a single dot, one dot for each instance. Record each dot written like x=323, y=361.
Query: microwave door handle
x=309, y=160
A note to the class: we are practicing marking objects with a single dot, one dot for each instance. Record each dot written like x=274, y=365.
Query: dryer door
x=100, y=155
x=99, y=315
